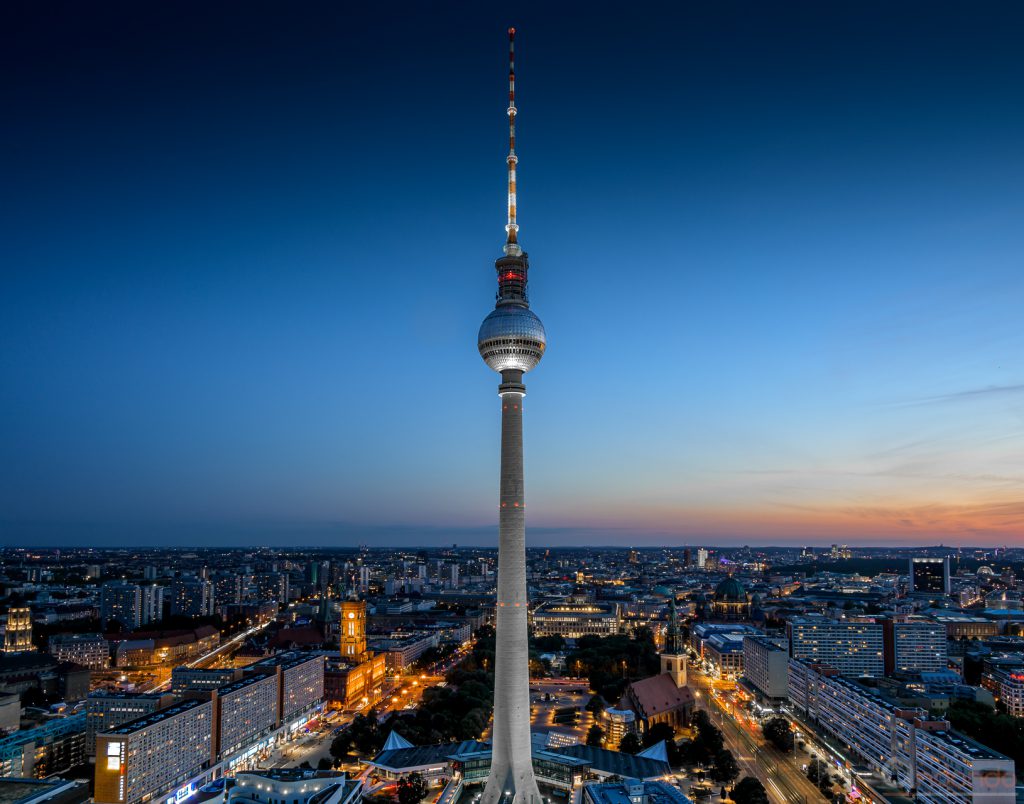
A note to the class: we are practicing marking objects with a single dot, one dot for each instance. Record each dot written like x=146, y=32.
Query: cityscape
x=776, y=555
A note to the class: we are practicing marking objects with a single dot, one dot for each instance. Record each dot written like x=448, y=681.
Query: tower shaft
x=511, y=780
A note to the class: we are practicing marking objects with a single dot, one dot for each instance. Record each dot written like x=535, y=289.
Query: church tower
x=673, y=659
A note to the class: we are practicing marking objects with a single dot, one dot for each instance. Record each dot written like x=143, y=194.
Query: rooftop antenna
x=512, y=228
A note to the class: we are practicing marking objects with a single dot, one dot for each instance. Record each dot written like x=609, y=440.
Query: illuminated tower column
x=511, y=341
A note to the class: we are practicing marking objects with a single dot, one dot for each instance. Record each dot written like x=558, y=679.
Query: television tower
x=511, y=341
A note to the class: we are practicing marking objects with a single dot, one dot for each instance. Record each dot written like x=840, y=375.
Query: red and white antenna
x=512, y=228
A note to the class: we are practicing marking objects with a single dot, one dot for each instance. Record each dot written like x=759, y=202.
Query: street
x=780, y=774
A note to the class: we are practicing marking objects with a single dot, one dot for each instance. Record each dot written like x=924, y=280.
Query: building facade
x=108, y=710
x=88, y=650
x=575, y=618
x=766, y=666
x=853, y=648
x=146, y=757
x=904, y=744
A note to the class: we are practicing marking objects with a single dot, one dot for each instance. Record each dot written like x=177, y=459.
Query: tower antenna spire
x=512, y=228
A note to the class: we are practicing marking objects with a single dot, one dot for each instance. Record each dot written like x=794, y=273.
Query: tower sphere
x=512, y=338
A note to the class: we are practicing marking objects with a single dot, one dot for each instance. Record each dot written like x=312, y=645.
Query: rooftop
x=146, y=721
x=618, y=793
x=616, y=762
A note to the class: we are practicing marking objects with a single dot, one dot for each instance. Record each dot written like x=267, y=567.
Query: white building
x=88, y=650
x=916, y=646
x=766, y=666
x=852, y=647
x=921, y=753
x=576, y=617
x=294, y=786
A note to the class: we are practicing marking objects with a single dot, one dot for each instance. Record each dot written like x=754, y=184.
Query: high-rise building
x=106, y=710
x=275, y=586
x=766, y=666
x=141, y=759
x=511, y=341
x=915, y=646
x=702, y=557
x=852, y=647
x=121, y=602
x=227, y=588
x=192, y=597
x=152, y=603
x=929, y=575
x=353, y=630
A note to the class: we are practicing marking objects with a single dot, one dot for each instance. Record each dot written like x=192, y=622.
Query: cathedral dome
x=730, y=591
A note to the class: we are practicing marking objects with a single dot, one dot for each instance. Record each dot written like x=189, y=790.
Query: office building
x=511, y=341
x=88, y=650
x=929, y=575
x=904, y=744
x=852, y=647
x=702, y=557
x=576, y=617
x=766, y=667
x=55, y=747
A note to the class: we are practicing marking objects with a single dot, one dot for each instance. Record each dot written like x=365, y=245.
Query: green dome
x=730, y=591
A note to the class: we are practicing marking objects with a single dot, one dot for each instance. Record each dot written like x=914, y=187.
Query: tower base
x=517, y=788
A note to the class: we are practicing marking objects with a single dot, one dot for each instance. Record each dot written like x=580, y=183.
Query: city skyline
x=793, y=232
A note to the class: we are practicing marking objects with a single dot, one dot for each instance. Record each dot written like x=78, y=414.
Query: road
x=235, y=642
x=780, y=774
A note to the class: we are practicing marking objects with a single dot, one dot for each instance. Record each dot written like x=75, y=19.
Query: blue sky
x=778, y=253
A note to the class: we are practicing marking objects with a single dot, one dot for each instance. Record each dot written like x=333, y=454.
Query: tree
x=708, y=742
x=324, y=764
x=411, y=789
x=341, y=745
x=630, y=743
x=596, y=705
x=777, y=731
x=818, y=772
x=749, y=791
x=595, y=736
x=726, y=768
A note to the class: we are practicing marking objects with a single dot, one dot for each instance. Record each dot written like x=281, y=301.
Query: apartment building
x=904, y=744
x=88, y=650
x=766, y=666
x=146, y=757
x=244, y=710
x=108, y=710
x=853, y=647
